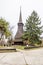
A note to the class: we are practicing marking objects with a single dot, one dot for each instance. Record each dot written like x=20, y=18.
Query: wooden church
x=18, y=40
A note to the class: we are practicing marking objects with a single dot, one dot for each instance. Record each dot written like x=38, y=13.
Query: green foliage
x=4, y=27
x=33, y=28
x=25, y=36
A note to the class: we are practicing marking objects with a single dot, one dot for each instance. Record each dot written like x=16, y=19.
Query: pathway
x=30, y=57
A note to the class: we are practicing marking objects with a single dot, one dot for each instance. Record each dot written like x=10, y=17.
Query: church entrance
x=18, y=43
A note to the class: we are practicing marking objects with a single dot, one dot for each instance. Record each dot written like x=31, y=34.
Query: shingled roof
x=20, y=29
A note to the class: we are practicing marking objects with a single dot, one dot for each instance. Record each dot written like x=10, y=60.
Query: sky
x=10, y=10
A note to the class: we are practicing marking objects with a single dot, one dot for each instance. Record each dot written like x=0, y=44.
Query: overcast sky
x=10, y=9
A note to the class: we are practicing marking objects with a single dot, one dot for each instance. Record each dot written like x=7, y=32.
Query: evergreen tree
x=33, y=29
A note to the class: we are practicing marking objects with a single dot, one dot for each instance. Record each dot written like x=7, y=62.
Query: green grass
x=14, y=46
x=19, y=47
x=27, y=48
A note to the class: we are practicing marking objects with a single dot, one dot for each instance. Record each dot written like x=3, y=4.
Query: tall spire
x=20, y=17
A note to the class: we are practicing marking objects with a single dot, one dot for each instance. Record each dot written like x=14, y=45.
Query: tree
x=33, y=29
x=4, y=28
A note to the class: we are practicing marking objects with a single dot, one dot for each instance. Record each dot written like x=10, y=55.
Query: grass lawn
x=26, y=48
x=19, y=47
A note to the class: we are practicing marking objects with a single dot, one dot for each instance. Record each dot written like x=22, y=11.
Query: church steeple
x=20, y=17
x=18, y=39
